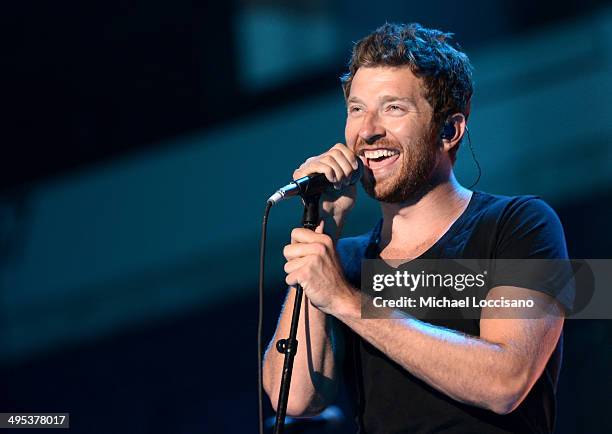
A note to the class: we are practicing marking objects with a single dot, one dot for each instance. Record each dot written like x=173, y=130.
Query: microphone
x=315, y=183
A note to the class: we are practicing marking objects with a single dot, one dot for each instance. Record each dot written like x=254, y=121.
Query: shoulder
x=525, y=223
x=516, y=210
x=351, y=250
x=508, y=205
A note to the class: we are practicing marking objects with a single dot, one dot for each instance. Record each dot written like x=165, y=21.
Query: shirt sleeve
x=531, y=251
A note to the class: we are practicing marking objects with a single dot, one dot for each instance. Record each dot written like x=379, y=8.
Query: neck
x=426, y=214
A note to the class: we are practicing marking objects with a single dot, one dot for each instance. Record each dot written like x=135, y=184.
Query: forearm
x=468, y=369
x=313, y=380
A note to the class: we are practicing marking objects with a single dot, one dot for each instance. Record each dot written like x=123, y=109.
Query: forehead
x=371, y=82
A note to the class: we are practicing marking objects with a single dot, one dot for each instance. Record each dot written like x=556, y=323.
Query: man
x=408, y=100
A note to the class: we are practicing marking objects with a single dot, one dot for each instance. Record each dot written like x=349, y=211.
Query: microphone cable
x=474, y=158
x=262, y=259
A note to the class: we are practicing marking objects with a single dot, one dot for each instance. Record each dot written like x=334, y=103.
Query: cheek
x=402, y=129
x=351, y=133
x=408, y=132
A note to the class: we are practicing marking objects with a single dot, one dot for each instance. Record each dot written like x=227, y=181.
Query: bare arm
x=494, y=371
x=320, y=346
x=314, y=380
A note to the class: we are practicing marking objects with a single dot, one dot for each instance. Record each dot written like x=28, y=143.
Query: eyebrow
x=384, y=99
x=389, y=98
x=354, y=99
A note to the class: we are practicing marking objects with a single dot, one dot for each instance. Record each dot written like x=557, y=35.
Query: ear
x=454, y=130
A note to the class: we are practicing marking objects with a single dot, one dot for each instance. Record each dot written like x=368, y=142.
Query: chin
x=394, y=189
x=386, y=190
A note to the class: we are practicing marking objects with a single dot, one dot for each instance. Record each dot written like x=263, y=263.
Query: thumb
x=319, y=229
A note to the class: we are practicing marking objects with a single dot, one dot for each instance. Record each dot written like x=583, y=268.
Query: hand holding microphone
x=333, y=174
x=313, y=265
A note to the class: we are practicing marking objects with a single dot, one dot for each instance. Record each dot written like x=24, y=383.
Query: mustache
x=383, y=143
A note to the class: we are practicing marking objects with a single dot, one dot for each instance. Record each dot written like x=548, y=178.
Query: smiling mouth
x=379, y=158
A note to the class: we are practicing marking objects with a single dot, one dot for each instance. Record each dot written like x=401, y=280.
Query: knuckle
x=333, y=156
x=327, y=241
x=320, y=249
x=327, y=158
x=306, y=167
x=329, y=173
x=297, y=174
x=335, y=152
x=310, y=160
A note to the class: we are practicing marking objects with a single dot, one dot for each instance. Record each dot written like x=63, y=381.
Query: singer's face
x=388, y=126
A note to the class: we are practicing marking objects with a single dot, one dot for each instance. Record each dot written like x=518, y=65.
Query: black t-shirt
x=388, y=399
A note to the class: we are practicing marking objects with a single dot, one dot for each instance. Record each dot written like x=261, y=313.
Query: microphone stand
x=288, y=347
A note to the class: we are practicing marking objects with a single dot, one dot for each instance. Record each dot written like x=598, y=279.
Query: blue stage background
x=141, y=140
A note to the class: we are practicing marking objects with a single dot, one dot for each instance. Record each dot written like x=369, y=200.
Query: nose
x=371, y=129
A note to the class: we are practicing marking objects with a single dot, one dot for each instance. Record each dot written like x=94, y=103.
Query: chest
x=408, y=250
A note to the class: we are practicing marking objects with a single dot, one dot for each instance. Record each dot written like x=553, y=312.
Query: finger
x=302, y=250
x=302, y=235
x=350, y=155
x=320, y=227
x=293, y=279
x=317, y=166
x=294, y=264
x=344, y=163
x=303, y=169
x=330, y=160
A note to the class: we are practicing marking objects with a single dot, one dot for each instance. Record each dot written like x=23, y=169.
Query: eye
x=393, y=107
x=355, y=109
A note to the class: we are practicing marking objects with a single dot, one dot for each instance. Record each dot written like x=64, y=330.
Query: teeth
x=379, y=153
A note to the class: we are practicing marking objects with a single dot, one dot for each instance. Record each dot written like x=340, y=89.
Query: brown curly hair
x=446, y=71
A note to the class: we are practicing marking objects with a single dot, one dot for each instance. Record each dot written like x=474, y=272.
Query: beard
x=412, y=177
